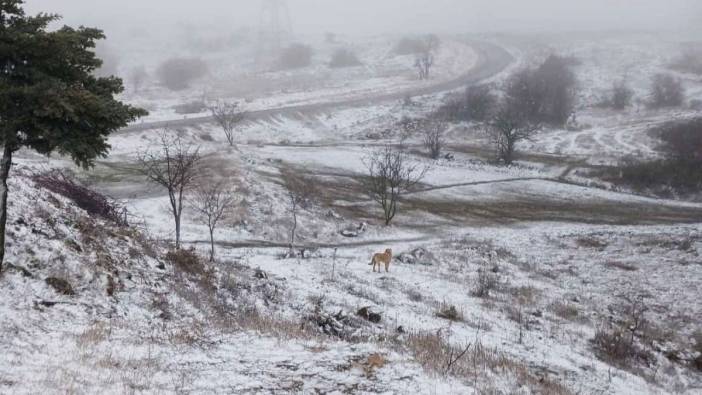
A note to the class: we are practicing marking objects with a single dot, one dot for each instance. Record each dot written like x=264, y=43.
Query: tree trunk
x=177, y=225
x=5, y=166
x=212, y=247
x=292, y=232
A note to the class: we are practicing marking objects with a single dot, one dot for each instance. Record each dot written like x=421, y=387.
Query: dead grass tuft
x=449, y=312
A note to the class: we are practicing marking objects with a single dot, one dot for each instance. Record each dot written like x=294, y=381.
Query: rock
x=333, y=214
x=418, y=256
x=61, y=286
x=355, y=231
x=368, y=315
x=400, y=329
x=23, y=271
x=449, y=156
x=261, y=275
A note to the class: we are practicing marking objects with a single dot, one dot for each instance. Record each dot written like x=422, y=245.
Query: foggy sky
x=390, y=16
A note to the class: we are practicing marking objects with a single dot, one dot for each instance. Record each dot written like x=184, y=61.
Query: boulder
x=355, y=231
x=418, y=256
x=61, y=286
x=368, y=315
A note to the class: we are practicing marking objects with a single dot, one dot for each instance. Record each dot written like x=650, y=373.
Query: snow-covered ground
x=536, y=262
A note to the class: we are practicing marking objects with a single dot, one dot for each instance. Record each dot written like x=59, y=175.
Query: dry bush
x=449, y=312
x=93, y=202
x=177, y=74
x=619, y=97
x=344, y=58
x=295, y=56
x=567, y=311
x=690, y=61
x=666, y=91
x=438, y=355
x=414, y=295
x=434, y=137
x=477, y=104
x=486, y=282
x=185, y=260
x=525, y=293
x=613, y=345
x=619, y=342
x=677, y=174
x=682, y=141
x=96, y=333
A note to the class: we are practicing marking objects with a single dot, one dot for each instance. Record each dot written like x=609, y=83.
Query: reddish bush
x=91, y=201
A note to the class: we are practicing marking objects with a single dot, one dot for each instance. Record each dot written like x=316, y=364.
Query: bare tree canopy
x=213, y=201
x=228, y=116
x=666, y=91
x=174, y=166
x=390, y=175
x=508, y=127
x=301, y=193
x=434, y=131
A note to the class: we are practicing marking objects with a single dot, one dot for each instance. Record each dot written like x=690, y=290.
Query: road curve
x=492, y=59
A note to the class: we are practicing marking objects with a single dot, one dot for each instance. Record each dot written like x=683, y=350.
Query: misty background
x=386, y=16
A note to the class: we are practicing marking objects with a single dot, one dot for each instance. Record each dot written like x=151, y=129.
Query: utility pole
x=275, y=31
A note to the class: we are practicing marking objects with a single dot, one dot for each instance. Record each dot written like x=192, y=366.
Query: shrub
x=663, y=178
x=178, y=73
x=565, y=310
x=545, y=94
x=689, y=62
x=434, y=137
x=476, y=104
x=344, y=58
x=666, y=91
x=185, y=260
x=677, y=174
x=296, y=56
x=682, y=140
x=485, y=283
x=416, y=45
x=619, y=97
x=449, y=312
x=93, y=202
x=614, y=346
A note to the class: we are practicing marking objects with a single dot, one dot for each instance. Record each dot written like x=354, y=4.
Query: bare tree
x=301, y=193
x=390, y=175
x=424, y=63
x=621, y=95
x=137, y=77
x=508, y=127
x=173, y=166
x=666, y=91
x=213, y=201
x=434, y=131
x=228, y=116
x=427, y=45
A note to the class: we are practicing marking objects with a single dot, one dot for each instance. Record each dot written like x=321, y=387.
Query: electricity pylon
x=275, y=30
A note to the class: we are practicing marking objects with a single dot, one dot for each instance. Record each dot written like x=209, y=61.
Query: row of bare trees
x=177, y=167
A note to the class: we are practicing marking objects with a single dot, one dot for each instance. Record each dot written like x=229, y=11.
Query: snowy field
x=511, y=272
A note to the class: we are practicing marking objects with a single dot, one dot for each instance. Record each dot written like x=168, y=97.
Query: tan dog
x=379, y=258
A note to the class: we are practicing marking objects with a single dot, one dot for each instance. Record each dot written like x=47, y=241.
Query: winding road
x=492, y=60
